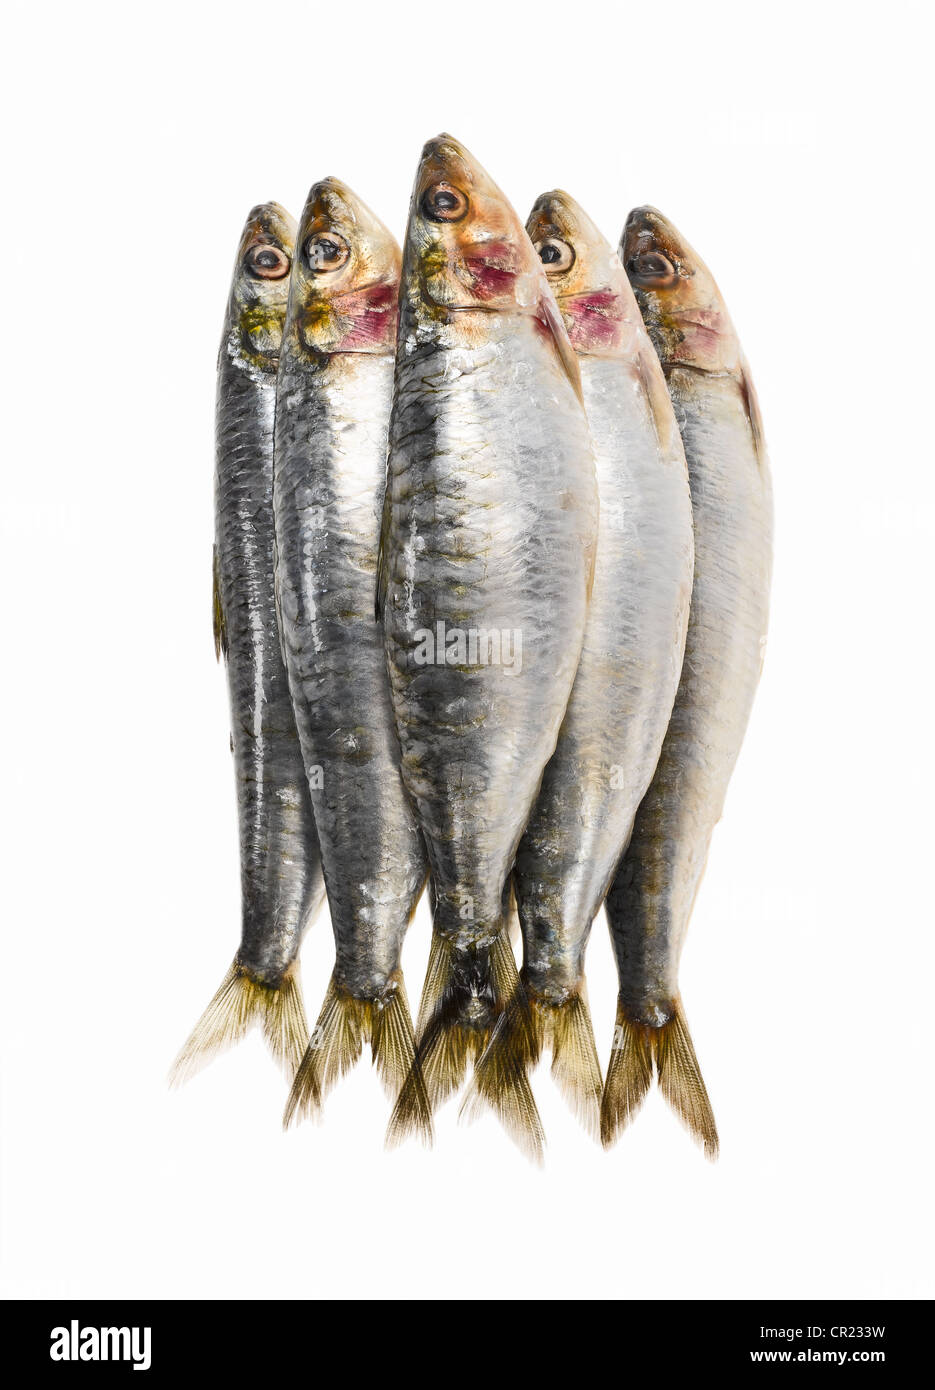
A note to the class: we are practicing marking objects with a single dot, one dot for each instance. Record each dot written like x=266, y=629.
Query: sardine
x=281, y=881
x=634, y=640
x=651, y=899
x=488, y=552
x=333, y=408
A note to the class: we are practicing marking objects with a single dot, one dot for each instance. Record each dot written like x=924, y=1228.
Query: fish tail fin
x=465, y=989
x=394, y=1055
x=639, y=1051
x=240, y=1003
x=501, y=1077
x=576, y=1068
x=334, y=1047
x=344, y=1025
x=682, y=1084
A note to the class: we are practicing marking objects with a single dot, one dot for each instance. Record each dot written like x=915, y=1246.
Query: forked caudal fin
x=240, y=1003
x=466, y=988
x=344, y=1025
x=501, y=1077
x=576, y=1070
x=524, y=1030
x=639, y=1050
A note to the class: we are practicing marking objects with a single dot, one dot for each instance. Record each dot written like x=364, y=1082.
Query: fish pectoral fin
x=549, y=315
x=752, y=406
x=219, y=622
x=657, y=393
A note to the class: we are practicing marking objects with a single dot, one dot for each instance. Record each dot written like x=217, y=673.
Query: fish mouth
x=642, y=222
x=444, y=147
x=268, y=224
x=269, y=220
x=444, y=157
x=542, y=221
x=334, y=199
x=553, y=198
x=646, y=218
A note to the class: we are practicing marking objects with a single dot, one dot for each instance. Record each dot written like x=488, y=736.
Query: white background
x=791, y=143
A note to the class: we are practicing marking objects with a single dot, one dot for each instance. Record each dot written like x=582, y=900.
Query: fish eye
x=326, y=251
x=444, y=203
x=652, y=269
x=267, y=262
x=555, y=255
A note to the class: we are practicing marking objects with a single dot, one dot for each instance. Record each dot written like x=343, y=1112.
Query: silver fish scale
x=330, y=471
x=492, y=524
x=281, y=881
x=651, y=900
x=626, y=681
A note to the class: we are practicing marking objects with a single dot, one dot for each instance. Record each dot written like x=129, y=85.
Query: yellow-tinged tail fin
x=639, y=1051
x=465, y=992
x=239, y=1004
x=344, y=1025
x=525, y=1029
x=576, y=1069
x=501, y=1077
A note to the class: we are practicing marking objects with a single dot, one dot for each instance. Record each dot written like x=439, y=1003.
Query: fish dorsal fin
x=752, y=405
x=219, y=620
x=549, y=315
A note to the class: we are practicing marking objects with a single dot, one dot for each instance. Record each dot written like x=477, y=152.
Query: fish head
x=344, y=290
x=589, y=283
x=677, y=294
x=260, y=285
x=468, y=263
x=466, y=248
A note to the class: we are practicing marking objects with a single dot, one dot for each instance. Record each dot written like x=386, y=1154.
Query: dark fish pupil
x=328, y=249
x=445, y=202
x=549, y=255
x=267, y=259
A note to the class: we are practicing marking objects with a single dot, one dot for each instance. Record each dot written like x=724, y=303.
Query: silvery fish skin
x=490, y=527
x=281, y=880
x=333, y=407
x=634, y=640
x=652, y=896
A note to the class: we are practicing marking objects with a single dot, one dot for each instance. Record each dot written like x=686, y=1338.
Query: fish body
x=489, y=536
x=281, y=880
x=333, y=406
x=651, y=899
x=634, y=640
